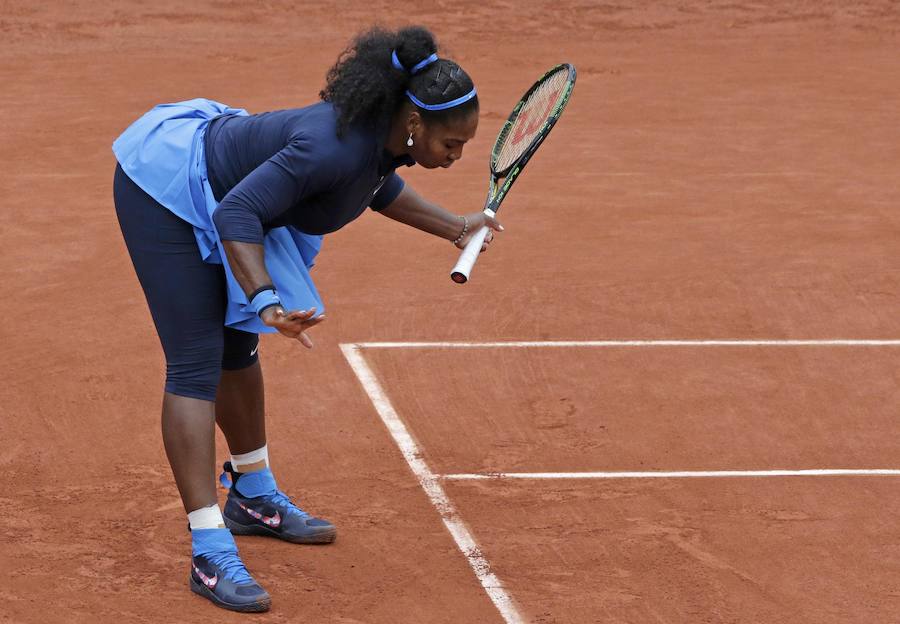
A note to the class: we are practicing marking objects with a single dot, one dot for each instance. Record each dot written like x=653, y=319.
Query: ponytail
x=370, y=80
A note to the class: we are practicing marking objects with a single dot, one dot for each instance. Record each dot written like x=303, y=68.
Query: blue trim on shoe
x=219, y=575
x=272, y=513
x=217, y=546
x=257, y=483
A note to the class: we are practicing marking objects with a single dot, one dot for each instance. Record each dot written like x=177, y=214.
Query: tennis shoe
x=269, y=511
x=219, y=575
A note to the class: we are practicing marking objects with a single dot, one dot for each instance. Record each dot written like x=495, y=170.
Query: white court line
x=824, y=472
x=629, y=343
x=430, y=483
x=711, y=174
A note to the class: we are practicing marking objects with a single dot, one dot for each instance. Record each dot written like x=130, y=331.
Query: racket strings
x=516, y=137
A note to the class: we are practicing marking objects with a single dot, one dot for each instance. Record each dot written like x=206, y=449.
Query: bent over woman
x=223, y=214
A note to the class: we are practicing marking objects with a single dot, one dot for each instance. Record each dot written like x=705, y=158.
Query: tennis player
x=223, y=213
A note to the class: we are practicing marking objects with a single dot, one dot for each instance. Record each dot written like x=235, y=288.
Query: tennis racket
x=527, y=127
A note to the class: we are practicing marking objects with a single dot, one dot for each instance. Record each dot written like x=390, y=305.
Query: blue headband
x=436, y=107
x=415, y=68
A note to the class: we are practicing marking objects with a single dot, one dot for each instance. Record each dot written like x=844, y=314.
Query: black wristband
x=259, y=290
x=264, y=308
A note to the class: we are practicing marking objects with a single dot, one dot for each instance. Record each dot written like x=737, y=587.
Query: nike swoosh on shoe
x=272, y=521
x=209, y=582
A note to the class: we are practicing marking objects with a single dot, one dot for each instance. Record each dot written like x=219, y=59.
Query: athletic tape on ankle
x=248, y=459
x=206, y=518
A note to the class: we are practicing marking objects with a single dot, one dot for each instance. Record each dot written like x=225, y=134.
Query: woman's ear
x=413, y=122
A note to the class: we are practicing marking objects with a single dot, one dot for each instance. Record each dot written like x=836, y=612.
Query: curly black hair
x=366, y=88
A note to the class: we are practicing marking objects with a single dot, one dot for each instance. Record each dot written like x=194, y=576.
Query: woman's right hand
x=292, y=324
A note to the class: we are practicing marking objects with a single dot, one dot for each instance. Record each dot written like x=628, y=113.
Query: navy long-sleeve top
x=290, y=168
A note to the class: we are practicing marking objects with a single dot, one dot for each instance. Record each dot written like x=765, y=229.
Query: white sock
x=206, y=518
x=249, y=459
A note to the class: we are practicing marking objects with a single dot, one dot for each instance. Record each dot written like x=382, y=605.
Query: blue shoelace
x=231, y=566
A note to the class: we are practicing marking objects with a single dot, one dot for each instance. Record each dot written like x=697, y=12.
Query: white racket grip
x=460, y=273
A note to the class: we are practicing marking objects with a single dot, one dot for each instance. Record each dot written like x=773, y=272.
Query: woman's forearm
x=247, y=262
x=410, y=208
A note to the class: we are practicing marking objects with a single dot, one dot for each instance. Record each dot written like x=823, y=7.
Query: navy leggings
x=186, y=295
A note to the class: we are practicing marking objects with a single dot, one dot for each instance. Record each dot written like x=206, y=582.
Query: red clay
x=724, y=170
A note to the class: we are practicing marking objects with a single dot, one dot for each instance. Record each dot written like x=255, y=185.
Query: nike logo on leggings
x=255, y=349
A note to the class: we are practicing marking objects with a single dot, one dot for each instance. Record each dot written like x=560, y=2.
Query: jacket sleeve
x=388, y=192
x=275, y=186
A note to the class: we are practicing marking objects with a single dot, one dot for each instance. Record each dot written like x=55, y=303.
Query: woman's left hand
x=293, y=324
x=476, y=221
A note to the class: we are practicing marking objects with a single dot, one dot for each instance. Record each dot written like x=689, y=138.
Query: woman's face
x=441, y=144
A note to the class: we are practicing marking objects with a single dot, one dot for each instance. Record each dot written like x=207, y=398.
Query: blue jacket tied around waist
x=162, y=152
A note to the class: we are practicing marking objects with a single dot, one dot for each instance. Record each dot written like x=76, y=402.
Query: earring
x=409, y=141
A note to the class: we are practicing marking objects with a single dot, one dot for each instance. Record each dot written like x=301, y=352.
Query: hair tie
x=415, y=68
x=396, y=62
x=423, y=64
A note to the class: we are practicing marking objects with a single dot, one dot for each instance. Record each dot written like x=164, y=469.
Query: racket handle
x=460, y=273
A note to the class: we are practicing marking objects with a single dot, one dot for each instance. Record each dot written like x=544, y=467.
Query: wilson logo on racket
x=529, y=122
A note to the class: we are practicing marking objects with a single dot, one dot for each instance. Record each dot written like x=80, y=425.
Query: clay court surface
x=724, y=171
